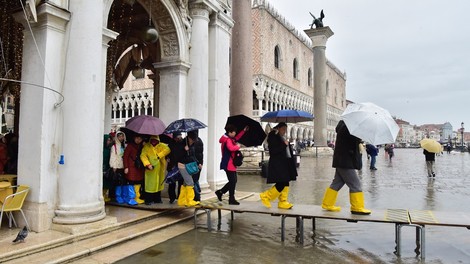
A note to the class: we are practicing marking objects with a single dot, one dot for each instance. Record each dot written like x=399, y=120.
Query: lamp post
x=461, y=132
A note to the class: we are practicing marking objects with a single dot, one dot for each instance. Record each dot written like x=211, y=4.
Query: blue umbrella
x=287, y=116
x=184, y=125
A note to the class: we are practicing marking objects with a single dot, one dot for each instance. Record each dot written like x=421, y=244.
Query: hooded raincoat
x=154, y=155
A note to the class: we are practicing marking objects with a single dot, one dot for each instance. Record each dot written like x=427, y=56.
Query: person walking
x=389, y=148
x=346, y=160
x=229, y=146
x=281, y=169
x=153, y=157
x=430, y=160
x=134, y=170
x=373, y=151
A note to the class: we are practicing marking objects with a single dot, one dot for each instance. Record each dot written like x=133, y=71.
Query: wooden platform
x=399, y=217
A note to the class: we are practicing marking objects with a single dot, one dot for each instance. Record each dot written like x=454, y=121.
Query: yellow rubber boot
x=190, y=196
x=182, y=196
x=137, y=194
x=268, y=196
x=329, y=200
x=357, y=203
x=106, y=195
x=283, y=203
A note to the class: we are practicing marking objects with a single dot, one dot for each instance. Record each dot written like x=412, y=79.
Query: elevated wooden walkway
x=399, y=217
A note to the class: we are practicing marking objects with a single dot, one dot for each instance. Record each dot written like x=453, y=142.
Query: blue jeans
x=372, y=161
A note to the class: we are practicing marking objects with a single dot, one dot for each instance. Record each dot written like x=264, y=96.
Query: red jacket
x=232, y=147
x=130, y=154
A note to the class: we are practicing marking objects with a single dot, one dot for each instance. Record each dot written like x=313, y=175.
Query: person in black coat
x=281, y=168
x=346, y=159
x=430, y=159
x=199, y=153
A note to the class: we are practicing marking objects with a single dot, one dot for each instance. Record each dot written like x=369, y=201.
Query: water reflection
x=256, y=238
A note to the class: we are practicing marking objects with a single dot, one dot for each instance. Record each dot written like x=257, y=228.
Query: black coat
x=346, y=154
x=429, y=156
x=281, y=168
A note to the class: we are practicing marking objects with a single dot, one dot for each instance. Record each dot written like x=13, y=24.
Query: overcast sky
x=410, y=57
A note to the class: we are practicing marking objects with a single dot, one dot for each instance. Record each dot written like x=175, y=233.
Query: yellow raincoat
x=154, y=155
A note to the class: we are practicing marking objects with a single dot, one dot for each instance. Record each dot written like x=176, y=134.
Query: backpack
x=137, y=161
x=238, y=158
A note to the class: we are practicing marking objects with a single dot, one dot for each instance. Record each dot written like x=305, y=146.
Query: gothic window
x=255, y=101
x=277, y=56
x=309, y=77
x=295, y=69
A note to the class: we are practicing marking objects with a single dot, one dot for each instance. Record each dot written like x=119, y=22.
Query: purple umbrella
x=145, y=124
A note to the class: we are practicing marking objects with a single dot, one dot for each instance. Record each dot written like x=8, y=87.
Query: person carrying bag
x=184, y=155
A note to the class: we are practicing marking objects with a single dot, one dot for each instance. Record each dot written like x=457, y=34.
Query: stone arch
x=125, y=53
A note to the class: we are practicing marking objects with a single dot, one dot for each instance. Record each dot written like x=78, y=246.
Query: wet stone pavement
x=398, y=184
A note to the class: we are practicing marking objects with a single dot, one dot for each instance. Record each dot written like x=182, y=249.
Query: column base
x=317, y=152
x=106, y=222
x=71, y=215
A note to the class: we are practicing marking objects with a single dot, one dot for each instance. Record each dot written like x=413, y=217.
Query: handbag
x=192, y=167
x=173, y=176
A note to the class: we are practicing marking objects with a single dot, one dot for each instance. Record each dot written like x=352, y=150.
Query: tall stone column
x=79, y=192
x=241, y=81
x=197, y=100
x=319, y=37
x=219, y=92
x=173, y=85
x=108, y=35
x=40, y=118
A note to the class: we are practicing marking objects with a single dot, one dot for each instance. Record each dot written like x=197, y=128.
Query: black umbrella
x=255, y=134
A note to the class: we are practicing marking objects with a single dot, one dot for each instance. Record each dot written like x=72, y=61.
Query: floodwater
x=399, y=184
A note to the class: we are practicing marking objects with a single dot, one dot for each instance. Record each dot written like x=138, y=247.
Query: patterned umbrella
x=145, y=124
x=184, y=125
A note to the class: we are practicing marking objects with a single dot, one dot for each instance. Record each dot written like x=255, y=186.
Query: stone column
x=79, y=192
x=197, y=100
x=242, y=59
x=40, y=119
x=108, y=35
x=319, y=37
x=219, y=92
x=173, y=83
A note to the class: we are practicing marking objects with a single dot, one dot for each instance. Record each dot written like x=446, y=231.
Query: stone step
x=66, y=248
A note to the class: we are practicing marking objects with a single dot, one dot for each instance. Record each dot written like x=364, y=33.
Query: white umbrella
x=370, y=123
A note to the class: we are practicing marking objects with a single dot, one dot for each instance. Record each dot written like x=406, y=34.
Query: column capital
x=319, y=36
x=48, y=16
x=199, y=10
x=180, y=66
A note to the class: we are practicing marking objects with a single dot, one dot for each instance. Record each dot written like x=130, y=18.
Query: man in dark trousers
x=346, y=159
x=430, y=159
x=373, y=151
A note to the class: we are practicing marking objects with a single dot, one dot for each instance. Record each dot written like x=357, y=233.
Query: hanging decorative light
x=149, y=33
x=138, y=72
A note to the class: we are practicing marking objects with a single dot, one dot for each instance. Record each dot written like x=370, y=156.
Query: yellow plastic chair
x=14, y=202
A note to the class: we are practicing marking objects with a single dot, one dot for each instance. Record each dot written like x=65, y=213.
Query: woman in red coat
x=134, y=174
